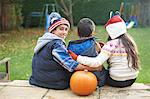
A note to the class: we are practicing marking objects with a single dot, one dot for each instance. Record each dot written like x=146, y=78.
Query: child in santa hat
x=121, y=53
x=51, y=64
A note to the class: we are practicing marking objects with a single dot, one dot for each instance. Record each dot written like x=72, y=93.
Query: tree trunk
x=0, y=15
x=4, y=16
x=8, y=16
x=71, y=15
x=66, y=8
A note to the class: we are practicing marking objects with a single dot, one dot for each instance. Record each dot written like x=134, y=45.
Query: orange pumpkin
x=83, y=82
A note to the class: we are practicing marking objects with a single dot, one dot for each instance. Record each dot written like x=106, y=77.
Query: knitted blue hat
x=55, y=20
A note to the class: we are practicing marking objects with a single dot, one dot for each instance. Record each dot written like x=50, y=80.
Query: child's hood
x=46, y=38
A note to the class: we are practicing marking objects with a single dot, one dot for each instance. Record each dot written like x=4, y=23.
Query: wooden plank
x=3, y=61
x=12, y=92
x=20, y=89
x=20, y=83
x=68, y=94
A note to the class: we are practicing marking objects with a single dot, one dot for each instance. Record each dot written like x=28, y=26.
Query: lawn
x=19, y=45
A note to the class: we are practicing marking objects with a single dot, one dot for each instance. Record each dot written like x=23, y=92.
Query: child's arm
x=83, y=67
x=95, y=61
x=98, y=46
x=101, y=44
x=61, y=55
x=104, y=55
x=74, y=56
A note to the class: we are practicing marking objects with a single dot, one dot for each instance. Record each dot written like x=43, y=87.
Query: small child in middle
x=87, y=45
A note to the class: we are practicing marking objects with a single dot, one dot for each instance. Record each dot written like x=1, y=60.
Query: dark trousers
x=120, y=84
x=101, y=77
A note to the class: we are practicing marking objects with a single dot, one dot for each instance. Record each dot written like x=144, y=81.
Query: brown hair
x=131, y=49
x=85, y=27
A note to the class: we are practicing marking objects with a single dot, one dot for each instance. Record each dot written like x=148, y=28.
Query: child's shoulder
x=114, y=41
x=112, y=44
x=56, y=42
x=82, y=40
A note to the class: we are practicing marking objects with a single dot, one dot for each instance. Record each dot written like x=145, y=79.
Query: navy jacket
x=46, y=72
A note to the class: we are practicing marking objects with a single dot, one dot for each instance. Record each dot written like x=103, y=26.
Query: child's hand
x=93, y=68
x=98, y=68
x=73, y=55
x=101, y=44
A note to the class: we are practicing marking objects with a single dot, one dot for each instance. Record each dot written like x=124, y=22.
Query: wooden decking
x=21, y=89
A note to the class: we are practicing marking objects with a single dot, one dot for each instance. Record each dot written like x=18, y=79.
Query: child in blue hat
x=52, y=65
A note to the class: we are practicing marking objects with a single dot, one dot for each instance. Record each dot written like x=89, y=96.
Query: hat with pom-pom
x=55, y=20
x=115, y=27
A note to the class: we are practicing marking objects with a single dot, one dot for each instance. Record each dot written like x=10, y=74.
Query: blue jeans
x=101, y=77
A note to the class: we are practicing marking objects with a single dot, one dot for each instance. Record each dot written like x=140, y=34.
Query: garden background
x=21, y=29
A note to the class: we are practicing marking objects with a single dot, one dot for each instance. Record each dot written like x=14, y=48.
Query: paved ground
x=20, y=89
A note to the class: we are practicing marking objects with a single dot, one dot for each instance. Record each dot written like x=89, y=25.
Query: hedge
x=97, y=10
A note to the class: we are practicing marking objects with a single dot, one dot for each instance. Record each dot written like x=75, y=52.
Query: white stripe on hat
x=59, y=22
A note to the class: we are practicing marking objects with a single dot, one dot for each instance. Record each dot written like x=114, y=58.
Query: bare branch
x=73, y=3
x=66, y=13
x=61, y=8
x=64, y=6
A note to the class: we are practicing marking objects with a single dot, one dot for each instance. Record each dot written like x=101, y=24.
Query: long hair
x=131, y=50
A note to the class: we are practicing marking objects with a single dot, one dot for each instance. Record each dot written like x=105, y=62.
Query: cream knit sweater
x=115, y=53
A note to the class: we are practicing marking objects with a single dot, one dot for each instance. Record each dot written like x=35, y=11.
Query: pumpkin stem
x=85, y=70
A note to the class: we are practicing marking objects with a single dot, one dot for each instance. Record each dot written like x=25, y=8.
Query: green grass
x=142, y=38
x=19, y=45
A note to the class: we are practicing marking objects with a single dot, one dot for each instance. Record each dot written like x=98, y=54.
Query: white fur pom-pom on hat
x=115, y=27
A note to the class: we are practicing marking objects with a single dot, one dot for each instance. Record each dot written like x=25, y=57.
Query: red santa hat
x=115, y=27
